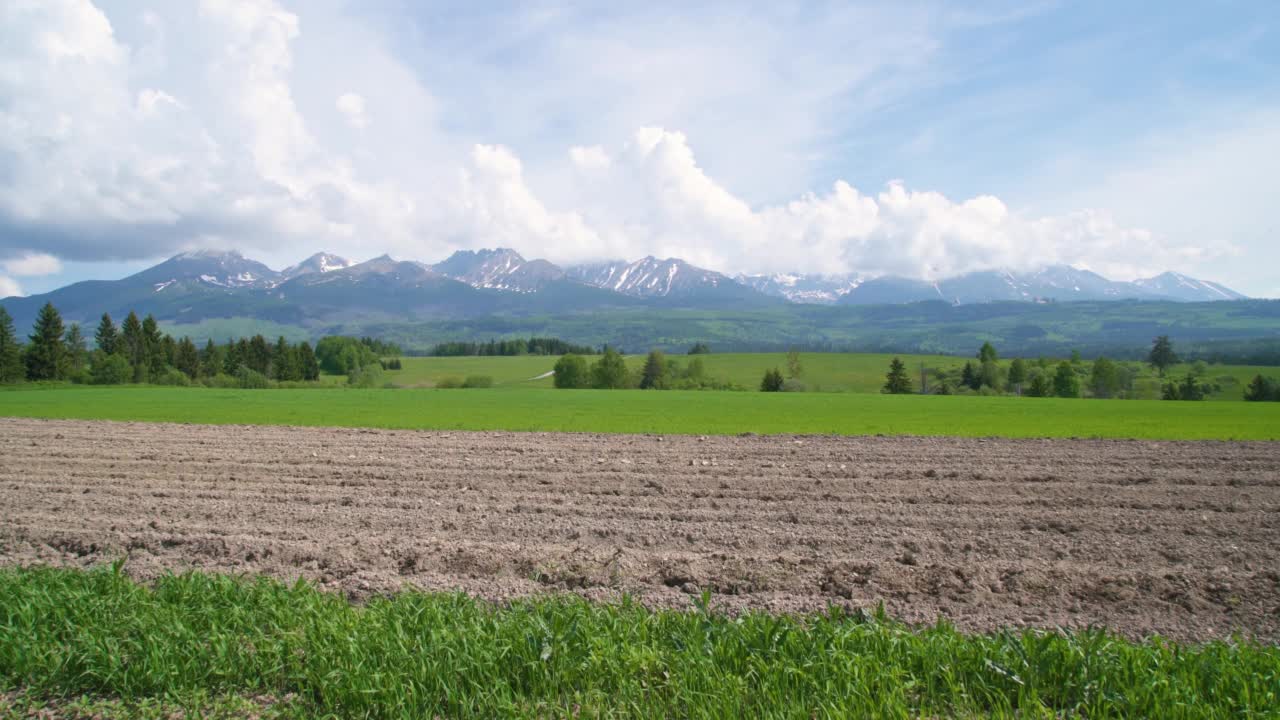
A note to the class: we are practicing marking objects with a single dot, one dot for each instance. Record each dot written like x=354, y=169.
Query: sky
x=924, y=139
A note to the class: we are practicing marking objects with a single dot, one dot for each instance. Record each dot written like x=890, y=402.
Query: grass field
x=825, y=372
x=205, y=643
x=637, y=411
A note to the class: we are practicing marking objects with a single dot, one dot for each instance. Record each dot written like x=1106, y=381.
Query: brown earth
x=1181, y=539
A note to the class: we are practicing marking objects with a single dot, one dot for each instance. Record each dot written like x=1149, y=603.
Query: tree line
x=610, y=372
x=1103, y=378
x=137, y=351
x=511, y=347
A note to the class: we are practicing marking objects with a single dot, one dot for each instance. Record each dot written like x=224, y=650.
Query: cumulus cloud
x=118, y=143
x=32, y=265
x=9, y=287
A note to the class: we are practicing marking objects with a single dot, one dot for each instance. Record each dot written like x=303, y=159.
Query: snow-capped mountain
x=1180, y=287
x=650, y=277
x=214, y=268
x=809, y=289
x=321, y=262
x=1060, y=283
x=499, y=269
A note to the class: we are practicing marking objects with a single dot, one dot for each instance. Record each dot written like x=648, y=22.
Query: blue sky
x=909, y=138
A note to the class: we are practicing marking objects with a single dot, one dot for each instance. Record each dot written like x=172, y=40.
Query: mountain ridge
x=202, y=284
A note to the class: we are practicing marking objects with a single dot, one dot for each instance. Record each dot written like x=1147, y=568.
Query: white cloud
x=352, y=108
x=118, y=142
x=33, y=265
x=9, y=288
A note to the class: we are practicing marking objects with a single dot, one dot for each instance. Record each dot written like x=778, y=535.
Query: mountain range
x=327, y=289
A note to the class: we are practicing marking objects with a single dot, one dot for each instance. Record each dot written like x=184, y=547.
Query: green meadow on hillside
x=822, y=372
x=638, y=411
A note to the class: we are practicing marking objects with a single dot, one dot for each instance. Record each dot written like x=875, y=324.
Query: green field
x=638, y=411
x=201, y=645
x=822, y=372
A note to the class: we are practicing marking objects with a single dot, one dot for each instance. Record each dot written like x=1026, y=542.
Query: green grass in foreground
x=195, y=640
x=638, y=411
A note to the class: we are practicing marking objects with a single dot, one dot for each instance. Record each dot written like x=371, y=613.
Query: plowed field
x=1182, y=539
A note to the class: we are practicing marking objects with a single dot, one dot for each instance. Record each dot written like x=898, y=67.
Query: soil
x=1179, y=539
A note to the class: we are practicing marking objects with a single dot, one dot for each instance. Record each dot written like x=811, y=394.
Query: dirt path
x=1177, y=538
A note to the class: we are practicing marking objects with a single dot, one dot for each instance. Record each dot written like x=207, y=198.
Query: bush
x=449, y=383
x=369, y=376
x=221, y=380
x=172, y=377
x=478, y=381
x=250, y=379
x=772, y=381
x=793, y=385
x=571, y=372
x=110, y=370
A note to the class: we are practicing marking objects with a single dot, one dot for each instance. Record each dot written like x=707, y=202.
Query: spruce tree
x=77, y=353
x=153, y=350
x=11, y=369
x=284, y=363
x=987, y=353
x=187, y=358
x=772, y=381
x=308, y=366
x=897, y=382
x=47, y=353
x=653, y=377
x=107, y=338
x=210, y=359
x=970, y=377
x=1162, y=356
x=134, y=345
x=1065, y=382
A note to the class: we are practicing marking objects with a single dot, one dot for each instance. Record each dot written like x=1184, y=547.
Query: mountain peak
x=498, y=269
x=321, y=262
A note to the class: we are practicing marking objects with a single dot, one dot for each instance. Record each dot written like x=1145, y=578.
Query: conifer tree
x=107, y=338
x=897, y=382
x=153, y=350
x=772, y=381
x=187, y=358
x=1065, y=382
x=11, y=369
x=46, y=355
x=653, y=377
x=77, y=353
x=284, y=364
x=1162, y=356
x=308, y=366
x=134, y=345
x=210, y=359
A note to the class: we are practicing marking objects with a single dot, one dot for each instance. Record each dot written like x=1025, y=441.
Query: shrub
x=172, y=377
x=110, y=370
x=221, y=380
x=793, y=385
x=772, y=381
x=368, y=376
x=449, y=383
x=250, y=379
x=478, y=381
